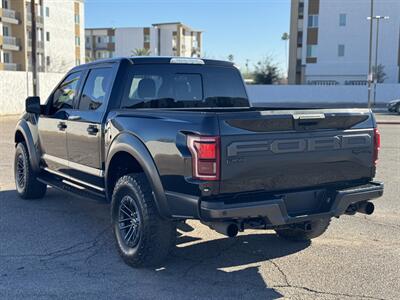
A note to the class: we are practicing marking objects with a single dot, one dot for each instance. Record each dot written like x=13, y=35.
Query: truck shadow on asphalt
x=235, y=265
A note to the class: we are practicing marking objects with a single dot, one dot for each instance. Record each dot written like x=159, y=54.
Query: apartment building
x=161, y=39
x=329, y=41
x=60, y=35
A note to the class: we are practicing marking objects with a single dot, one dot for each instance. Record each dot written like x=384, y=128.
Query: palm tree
x=141, y=52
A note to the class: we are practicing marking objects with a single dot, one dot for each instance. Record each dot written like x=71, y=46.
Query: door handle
x=92, y=130
x=61, y=126
x=74, y=118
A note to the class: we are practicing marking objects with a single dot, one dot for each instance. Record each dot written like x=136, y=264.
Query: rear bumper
x=275, y=210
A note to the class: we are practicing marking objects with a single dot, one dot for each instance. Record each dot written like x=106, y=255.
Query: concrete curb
x=388, y=122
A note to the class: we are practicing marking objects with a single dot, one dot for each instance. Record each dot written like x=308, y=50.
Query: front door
x=53, y=126
x=85, y=131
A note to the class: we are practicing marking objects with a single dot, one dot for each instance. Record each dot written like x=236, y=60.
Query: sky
x=249, y=29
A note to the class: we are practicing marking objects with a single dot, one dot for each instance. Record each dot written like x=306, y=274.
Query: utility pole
x=370, y=55
x=35, y=80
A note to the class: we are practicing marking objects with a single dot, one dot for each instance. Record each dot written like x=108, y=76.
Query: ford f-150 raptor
x=170, y=139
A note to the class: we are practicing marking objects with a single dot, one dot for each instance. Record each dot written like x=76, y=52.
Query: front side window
x=95, y=90
x=65, y=94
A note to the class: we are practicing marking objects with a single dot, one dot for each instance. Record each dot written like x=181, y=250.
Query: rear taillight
x=377, y=145
x=205, y=152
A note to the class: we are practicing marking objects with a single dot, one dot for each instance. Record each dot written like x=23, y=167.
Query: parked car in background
x=394, y=106
x=165, y=140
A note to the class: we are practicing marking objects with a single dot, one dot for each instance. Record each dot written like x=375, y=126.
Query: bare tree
x=379, y=74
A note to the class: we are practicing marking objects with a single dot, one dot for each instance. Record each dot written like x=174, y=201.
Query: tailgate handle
x=309, y=117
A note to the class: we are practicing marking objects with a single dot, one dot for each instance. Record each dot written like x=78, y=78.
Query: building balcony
x=39, y=45
x=39, y=19
x=11, y=43
x=9, y=16
x=104, y=46
x=11, y=67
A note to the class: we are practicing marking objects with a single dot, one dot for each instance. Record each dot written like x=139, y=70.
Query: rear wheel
x=143, y=238
x=304, y=233
x=25, y=179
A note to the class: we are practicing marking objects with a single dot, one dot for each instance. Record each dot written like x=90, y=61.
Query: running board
x=68, y=186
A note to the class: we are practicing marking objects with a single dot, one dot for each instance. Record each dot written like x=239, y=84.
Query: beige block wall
x=16, y=86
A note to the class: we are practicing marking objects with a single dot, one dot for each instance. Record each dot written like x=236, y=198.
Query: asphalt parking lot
x=62, y=247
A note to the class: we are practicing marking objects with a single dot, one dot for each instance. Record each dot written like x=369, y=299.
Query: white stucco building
x=329, y=41
x=60, y=35
x=163, y=39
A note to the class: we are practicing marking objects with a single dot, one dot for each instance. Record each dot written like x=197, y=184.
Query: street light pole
x=378, y=18
x=370, y=54
x=34, y=50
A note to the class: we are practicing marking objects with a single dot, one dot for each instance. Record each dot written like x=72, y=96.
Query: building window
x=48, y=60
x=87, y=40
x=47, y=36
x=77, y=19
x=5, y=4
x=342, y=20
x=313, y=21
x=112, y=39
x=147, y=38
x=341, y=50
x=6, y=31
x=311, y=50
x=6, y=58
x=77, y=40
x=47, y=12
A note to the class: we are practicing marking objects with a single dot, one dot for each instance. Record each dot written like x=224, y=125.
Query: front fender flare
x=34, y=157
x=129, y=143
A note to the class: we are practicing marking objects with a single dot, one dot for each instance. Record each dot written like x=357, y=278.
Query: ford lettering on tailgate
x=283, y=146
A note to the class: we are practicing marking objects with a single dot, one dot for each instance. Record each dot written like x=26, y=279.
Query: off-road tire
x=26, y=183
x=157, y=236
x=318, y=227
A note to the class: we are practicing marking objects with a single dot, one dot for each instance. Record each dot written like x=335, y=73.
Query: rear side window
x=96, y=89
x=167, y=85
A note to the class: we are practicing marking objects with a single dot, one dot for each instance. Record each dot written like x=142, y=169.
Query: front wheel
x=143, y=238
x=27, y=186
x=316, y=228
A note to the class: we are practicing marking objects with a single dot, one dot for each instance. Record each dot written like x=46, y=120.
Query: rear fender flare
x=131, y=144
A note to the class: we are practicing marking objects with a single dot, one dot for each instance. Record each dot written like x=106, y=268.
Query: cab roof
x=157, y=60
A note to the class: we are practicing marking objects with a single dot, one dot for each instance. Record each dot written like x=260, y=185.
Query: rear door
x=53, y=125
x=85, y=130
x=281, y=150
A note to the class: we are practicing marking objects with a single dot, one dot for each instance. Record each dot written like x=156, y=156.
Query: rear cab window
x=181, y=86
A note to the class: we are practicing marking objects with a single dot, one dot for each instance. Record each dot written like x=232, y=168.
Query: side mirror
x=32, y=105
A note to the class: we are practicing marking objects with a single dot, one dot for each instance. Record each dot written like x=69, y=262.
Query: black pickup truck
x=171, y=139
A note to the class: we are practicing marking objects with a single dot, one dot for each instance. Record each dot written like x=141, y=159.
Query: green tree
x=231, y=58
x=141, y=52
x=266, y=71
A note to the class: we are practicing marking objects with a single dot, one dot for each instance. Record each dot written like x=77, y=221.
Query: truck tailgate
x=283, y=150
